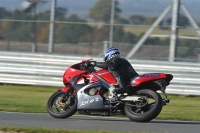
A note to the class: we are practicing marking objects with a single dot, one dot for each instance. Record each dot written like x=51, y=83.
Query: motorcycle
x=90, y=92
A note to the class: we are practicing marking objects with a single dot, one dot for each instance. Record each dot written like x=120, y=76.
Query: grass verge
x=9, y=129
x=32, y=99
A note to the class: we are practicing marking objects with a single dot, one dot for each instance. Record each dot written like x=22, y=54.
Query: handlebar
x=88, y=65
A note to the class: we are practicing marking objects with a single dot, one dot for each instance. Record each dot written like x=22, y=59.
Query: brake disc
x=60, y=103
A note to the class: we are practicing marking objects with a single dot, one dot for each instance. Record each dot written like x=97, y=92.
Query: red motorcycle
x=89, y=91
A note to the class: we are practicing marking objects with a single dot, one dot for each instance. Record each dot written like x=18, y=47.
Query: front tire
x=148, y=112
x=59, y=108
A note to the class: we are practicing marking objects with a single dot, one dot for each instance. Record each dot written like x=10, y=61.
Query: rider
x=119, y=67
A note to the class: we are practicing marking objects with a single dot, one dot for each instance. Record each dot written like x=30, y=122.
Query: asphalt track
x=96, y=123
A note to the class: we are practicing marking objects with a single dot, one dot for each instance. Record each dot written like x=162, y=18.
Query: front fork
x=66, y=90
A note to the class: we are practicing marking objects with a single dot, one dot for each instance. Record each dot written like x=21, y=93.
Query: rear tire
x=149, y=111
x=59, y=109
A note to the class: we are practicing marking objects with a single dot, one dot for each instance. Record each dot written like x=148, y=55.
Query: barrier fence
x=150, y=30
x=47, y=70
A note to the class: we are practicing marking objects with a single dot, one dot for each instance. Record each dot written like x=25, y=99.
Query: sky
x=128, y=7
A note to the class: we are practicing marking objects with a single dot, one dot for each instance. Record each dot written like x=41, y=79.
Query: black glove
x=90, y=66
x=93, y=63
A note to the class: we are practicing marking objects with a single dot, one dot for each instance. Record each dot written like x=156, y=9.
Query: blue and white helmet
x=111, y=53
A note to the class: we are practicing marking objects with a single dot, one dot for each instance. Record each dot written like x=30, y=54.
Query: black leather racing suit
x=121, y=69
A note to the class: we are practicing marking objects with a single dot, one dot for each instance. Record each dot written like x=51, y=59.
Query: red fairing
x=91, y=78
x=106, y=75
x=70, y=73
x=65, y=89
x=147, y=77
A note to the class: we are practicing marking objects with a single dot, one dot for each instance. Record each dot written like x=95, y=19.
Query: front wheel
x=148, y=111
x=62, y=105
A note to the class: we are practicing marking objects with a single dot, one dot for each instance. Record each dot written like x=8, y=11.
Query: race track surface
x=96, y=123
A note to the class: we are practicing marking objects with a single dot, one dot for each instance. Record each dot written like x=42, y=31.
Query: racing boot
x=118, y=91
x=122, y=86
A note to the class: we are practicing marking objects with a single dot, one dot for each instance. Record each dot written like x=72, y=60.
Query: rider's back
x=124, y=67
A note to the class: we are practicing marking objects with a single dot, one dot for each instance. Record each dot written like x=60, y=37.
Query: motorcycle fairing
x=147, y=77
x=106, y=85
x=86, y=101
x=106, y=75
x=103, y=82
x=65, y=89
x=73, y=82
x=87, y=79
x=71, y=73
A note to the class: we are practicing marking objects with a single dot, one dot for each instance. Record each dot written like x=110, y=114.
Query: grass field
x=32, y=99
x=8, y=129
x=15, y=98
x=138, y=30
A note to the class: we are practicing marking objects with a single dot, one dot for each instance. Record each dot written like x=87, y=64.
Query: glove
x=93, y=63
x=90, y=66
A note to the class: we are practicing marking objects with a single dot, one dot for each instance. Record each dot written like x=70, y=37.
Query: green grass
x=16, y=98
x=46, y=130
x=32, y=99
x=138, y=30
x=181, y=108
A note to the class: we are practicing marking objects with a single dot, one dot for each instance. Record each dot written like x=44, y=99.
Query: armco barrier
x=47, y=70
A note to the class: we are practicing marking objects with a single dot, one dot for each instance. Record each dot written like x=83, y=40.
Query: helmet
x=111, y=53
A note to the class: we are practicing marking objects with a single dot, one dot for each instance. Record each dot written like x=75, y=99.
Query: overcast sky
x=81, y=7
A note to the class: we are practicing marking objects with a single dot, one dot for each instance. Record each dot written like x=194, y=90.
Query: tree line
x=73, y=33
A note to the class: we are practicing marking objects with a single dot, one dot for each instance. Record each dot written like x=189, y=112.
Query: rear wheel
x=146, y=110
x=62, y=105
